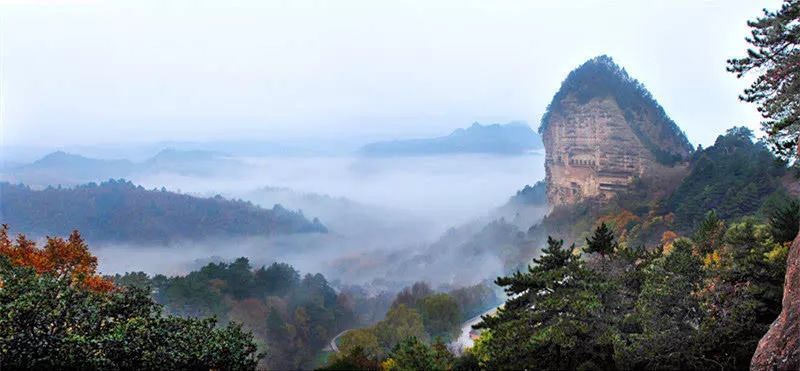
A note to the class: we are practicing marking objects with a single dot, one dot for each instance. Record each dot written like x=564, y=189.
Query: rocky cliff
x=779, y=349
x=602, y=130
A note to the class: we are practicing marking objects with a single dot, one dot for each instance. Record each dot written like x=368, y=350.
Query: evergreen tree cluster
x=733, y=177
x=695, y=303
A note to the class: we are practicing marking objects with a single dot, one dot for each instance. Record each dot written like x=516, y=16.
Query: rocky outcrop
x=779, y=349
x=602, y=131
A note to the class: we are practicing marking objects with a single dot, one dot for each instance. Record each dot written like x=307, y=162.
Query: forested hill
x=735, y=177
x=120, y=211
x=511, y=138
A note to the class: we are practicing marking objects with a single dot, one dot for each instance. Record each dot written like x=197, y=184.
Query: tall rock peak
x=602, y=130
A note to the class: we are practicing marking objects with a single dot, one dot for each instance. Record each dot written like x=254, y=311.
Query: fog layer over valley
x=447, y=190
x=383, y=214
x=386, y=217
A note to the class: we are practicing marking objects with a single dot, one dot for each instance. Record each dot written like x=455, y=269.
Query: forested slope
x=120, y=211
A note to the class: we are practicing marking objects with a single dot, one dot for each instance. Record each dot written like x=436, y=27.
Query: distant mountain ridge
x=64, y=168
x=79, y=166
x=511, y=138
x=119, y=211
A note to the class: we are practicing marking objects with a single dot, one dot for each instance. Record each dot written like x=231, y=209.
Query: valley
x=400, y=186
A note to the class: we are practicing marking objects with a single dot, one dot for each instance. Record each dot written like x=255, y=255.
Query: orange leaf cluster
x=619, y=220
x=62, y=258
x=667, y=239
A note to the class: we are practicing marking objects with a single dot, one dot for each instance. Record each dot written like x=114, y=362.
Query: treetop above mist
x=121, y=211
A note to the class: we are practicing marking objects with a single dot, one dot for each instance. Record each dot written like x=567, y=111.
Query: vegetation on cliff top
x=600, y=77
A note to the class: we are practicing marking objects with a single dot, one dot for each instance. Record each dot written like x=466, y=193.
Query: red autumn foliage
x=62, y=258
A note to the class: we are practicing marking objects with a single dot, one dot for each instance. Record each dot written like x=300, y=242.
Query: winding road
x=464, y=340
x=332, y=347
x=458, y=345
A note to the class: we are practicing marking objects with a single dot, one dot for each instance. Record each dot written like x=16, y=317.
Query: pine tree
x=785, y=221
x=709, y=233
x=775, y=55
x=520, y=286
x=667, y=312
x=553, y=320
x=602, y=241
x=554, y=255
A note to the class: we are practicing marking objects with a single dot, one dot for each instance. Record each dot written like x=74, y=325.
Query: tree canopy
x=774, y=57
x=698, y=303
x=56, y=316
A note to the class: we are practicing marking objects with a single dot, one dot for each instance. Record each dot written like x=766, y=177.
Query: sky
x=90, y=72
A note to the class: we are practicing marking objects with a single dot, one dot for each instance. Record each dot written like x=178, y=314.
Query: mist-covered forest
x=417, y=198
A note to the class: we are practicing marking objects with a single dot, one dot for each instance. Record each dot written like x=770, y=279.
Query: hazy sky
x=83, y=72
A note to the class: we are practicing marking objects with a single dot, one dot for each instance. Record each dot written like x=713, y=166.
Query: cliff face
x=779, y=349
x=602, y=131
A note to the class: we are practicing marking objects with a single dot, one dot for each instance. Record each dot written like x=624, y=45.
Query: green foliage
x=602, y=242
x=364, y=339
x=775, y=57
x=400, y=323
x=708, y=235
x=120, y=211
x=440, y=314
x=667, y=313
x=409, y=296
x=292, y=317
x=412, y=354
x=746, y=282
x=376, y=342
x=48, y=323
x=554, y=319
x=701, y=303
x=733, y=177
x=355, y=359
x=785, y=221
x=419, y=313
x=474, y=300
